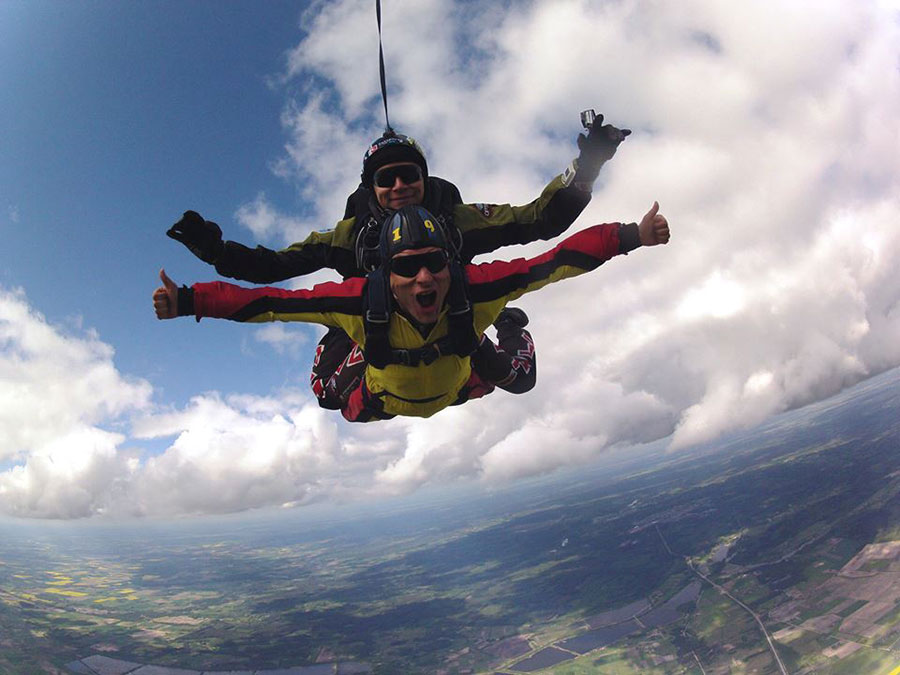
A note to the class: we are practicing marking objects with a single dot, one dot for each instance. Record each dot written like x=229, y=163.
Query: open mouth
x=426, y=300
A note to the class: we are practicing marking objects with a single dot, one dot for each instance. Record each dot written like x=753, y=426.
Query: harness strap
x=461, y=330
x=377, y=318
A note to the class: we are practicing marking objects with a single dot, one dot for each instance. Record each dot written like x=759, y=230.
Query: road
x=727, y=594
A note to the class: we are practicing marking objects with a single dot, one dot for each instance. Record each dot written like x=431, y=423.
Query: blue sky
x=768, y=135
x=118, y=117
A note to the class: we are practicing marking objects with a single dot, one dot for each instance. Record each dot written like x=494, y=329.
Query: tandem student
x=419, y=315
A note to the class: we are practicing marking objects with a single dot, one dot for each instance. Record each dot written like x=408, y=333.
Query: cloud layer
x=60, y=403
x=767, y=133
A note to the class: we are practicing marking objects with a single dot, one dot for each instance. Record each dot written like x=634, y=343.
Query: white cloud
x=80, y=473
x=237, y=454
x=283, y=339
x=60, y=395
x=53, y=382
x=265, y=221
x=768, y=133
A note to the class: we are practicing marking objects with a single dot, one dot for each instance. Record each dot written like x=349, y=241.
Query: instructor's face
x=421, y=296
x=399, y=193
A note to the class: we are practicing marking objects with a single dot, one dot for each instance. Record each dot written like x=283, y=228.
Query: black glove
x=596, y=147
x=202, y=237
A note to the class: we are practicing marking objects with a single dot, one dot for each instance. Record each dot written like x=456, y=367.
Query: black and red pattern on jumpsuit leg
x=333, y=350
x=348, y=386
x=510, y=365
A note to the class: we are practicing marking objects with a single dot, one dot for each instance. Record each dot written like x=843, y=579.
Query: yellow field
x=60, y=591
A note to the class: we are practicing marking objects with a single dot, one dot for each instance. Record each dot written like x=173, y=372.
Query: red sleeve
x=582, y=252
x=222, y=300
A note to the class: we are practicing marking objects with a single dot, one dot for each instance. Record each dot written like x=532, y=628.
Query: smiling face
x=400, y=194
x=422, y=296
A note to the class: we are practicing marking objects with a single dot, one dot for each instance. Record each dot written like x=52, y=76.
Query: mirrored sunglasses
x=409, y=265
x=408, y=173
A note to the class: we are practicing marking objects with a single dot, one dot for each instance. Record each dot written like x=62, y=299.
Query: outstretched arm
x=261, y=265
x=329, y=304
x=581, y=252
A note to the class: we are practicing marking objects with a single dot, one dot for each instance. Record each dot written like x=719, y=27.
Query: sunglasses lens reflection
x=409, y=265
x=407, y=173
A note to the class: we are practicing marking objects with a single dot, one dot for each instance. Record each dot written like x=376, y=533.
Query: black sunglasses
x=408, y=173
x=409, y=265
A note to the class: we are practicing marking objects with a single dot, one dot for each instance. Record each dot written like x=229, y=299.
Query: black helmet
x=411, y=227
x=391, y=147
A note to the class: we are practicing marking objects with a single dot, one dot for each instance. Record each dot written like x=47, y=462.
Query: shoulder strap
x=366, y=245
x=461, y=330
x=377, y=318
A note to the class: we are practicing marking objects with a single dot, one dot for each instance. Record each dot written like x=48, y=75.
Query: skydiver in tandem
x=420, y=314
x=395, y=174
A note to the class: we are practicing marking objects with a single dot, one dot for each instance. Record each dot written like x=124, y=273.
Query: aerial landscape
x=686, y=461
x=773, y=550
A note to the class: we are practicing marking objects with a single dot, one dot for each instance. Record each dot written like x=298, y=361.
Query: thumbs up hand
x=653, y=228
x=165, y=298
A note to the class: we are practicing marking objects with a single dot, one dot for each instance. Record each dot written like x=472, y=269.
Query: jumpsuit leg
x=347, y=377
x=331, y=352
x=362, y=406
x=345, y=388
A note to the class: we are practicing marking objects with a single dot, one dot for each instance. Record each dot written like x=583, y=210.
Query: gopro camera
x=587, y=118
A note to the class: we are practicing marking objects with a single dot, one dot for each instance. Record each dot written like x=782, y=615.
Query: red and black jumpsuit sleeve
x=329, y=304
x=495, y=284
